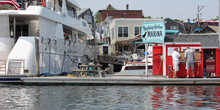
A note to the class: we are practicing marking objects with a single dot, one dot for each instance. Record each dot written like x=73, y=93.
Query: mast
x=199, y=10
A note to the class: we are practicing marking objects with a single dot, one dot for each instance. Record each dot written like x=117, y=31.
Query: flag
x=13, y=2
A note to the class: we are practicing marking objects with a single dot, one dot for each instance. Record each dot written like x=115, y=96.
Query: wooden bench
x=86, y=72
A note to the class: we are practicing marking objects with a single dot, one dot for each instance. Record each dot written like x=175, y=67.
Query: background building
x=120, y=13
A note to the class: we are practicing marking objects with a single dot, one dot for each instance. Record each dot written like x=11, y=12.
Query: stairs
x=3, y=69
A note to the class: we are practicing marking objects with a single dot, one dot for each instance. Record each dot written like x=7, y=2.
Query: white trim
x=164, y=60
x=182, y=43
x=135, y=19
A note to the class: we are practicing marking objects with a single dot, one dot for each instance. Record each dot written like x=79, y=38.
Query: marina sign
x=153, y=32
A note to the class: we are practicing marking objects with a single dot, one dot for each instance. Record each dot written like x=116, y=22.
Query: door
x=157, y=60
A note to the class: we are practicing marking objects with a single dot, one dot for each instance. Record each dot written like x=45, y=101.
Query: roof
x=74, y=4
x=119, y=10
x=81, y=11
x=207, y=40
x=215, y=28
x=131, y=39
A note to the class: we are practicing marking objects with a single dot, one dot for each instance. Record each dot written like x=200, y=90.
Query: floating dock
x=110, y=80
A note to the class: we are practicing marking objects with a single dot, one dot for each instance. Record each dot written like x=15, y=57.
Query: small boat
x=137, y=63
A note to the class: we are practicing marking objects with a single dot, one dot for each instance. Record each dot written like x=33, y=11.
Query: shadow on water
x=61, y=97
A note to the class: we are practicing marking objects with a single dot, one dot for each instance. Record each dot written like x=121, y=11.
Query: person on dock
x=190, y=56
x=176, y=57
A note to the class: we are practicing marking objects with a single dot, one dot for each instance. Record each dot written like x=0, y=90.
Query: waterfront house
x=174, y=25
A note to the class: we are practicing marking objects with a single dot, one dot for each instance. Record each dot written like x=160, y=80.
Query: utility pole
x=199, y=10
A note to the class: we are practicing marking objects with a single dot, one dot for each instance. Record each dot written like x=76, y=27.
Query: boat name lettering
x=154, y=27
x=155, y=33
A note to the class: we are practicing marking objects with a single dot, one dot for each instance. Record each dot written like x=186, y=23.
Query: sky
x=174, y=9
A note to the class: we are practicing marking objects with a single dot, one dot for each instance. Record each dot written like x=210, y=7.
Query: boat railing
x=16, y=67
x=22, y=5
x=3, y=66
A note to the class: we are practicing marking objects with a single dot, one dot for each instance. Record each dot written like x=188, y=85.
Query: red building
x=120, y=13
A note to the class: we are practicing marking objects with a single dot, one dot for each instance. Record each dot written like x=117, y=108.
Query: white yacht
x=42, y=36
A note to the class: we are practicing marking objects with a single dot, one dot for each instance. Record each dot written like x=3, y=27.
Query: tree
x=149, y=17
x=111, y=7
x=98, y=17
x=98, y=14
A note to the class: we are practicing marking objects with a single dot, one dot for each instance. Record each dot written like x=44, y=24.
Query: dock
x=110, y=80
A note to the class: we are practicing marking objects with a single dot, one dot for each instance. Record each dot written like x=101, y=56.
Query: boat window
x=84, y=23
x=71, y=12
x=67, y=34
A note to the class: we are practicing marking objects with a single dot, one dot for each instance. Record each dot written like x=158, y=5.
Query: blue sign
x=153, y=32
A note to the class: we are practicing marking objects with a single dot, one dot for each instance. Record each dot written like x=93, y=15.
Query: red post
x=217, y=63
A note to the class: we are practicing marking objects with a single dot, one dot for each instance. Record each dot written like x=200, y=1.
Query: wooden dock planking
x=120, y=81
x=108, y=80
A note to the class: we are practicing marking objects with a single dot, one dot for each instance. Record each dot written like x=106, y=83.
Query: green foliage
x=112, y=8
x=149, y=17
x=98, y=17
x=98, y=14
x=216, y=19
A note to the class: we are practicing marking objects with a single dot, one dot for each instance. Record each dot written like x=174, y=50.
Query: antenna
x=199, y=10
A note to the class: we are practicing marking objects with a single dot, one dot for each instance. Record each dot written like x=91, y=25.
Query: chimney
x=109, y=6
x=127, y=6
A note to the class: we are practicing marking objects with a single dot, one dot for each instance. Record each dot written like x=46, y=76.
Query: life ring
x=43, y=3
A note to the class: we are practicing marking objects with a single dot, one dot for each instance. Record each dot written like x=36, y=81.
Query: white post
x=164, y=60
x=219, y=23
x=146, y=62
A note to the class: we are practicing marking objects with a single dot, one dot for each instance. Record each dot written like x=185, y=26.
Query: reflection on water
x=108, y=97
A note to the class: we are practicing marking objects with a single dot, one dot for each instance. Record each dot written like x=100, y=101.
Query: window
x=84, y=23
x=174, y=27
x=137, y=30
x=122, y=31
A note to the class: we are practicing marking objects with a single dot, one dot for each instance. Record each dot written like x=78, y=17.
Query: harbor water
x=70, y=97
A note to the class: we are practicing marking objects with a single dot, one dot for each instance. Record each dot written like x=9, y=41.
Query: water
x=68, y=97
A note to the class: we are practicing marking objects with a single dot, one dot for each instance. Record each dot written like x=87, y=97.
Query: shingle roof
x=215, y=28
x=206, y=40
